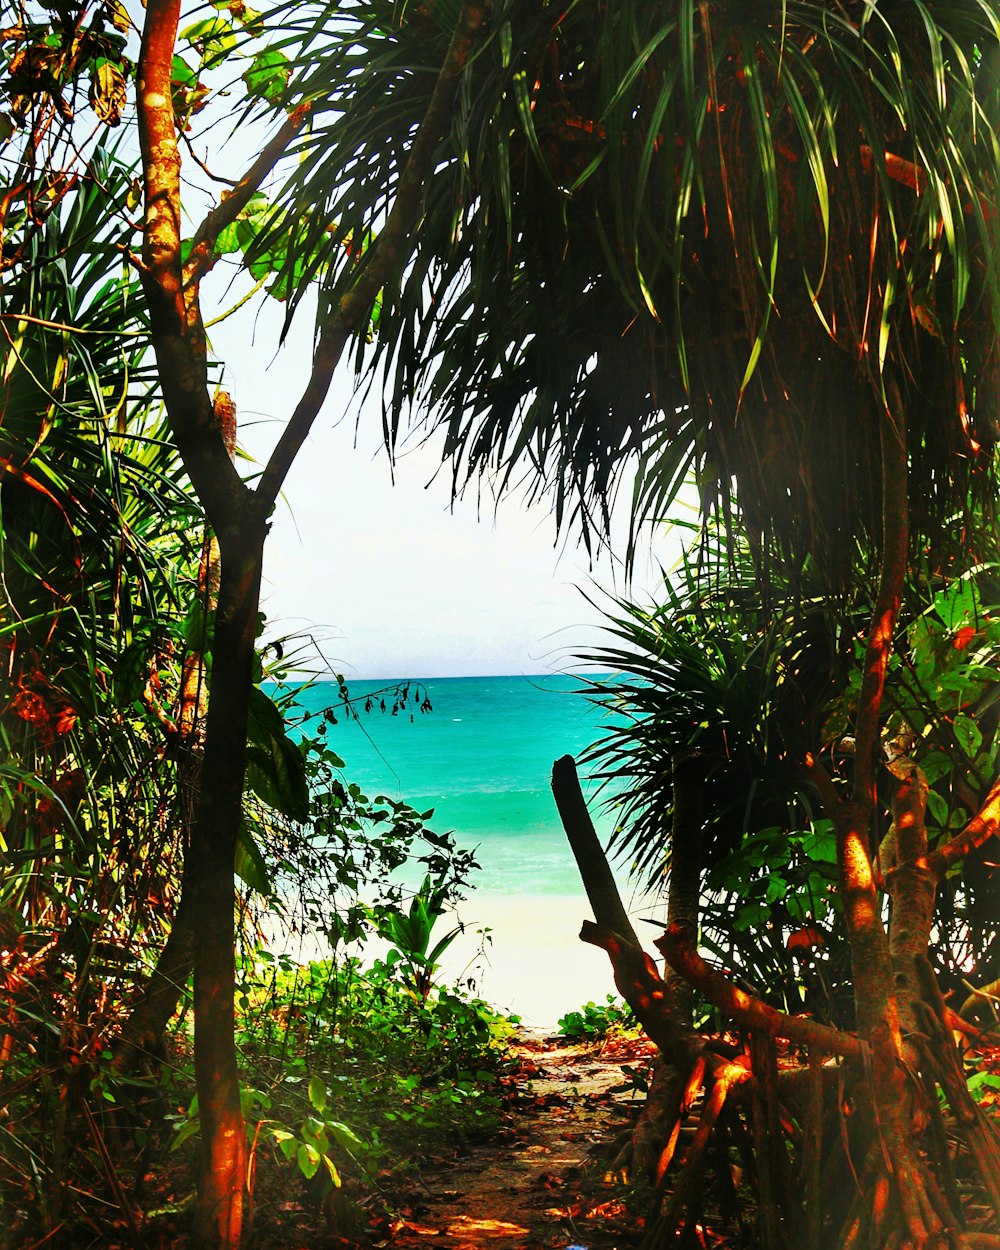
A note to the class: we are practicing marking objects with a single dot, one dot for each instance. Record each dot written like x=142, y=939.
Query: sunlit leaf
x=317, y=1093
x=308, y=1159
x=268, y=74
x=108, y=95
x=213, y=37
x=249, y=863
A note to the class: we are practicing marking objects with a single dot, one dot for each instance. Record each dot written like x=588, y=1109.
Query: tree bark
x=684, y=885
x=238, y=517
x=223, y=1178
x=143, y=1031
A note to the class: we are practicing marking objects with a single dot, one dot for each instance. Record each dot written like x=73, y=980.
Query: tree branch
x=591, y=861
x=984, y=825
x=895, y=539
x=821, y=779
x=177, y=332
x=385, y=252
x=638, y=981
x=202, y=256
x=750, y=1011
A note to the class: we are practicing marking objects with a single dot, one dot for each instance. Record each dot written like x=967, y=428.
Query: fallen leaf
x=606, y=1209
x=409, y=1226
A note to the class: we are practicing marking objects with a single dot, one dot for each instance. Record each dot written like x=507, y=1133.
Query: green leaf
x=938, y=808
x=250, y=19
x=213, y=37
x=249, y=864
x=308, y=1159
x=935, y=766
x=228, y=240
x=957, y=604
x=345, y=1137
x=286, y=1142
x=821, y=846
x=181, y=74
x=777, y=887
x=967, y=734
x=276, y=773
x=523, y=98
x=268, y=74
x=264, y=719
x=196, y=627
x=317, y=1093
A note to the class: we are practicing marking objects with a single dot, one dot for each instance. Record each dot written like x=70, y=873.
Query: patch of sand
x=535, y=964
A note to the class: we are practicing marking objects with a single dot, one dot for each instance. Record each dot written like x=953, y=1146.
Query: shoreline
x=535, y=966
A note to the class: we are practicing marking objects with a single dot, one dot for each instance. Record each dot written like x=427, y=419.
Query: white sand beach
x=536, y=965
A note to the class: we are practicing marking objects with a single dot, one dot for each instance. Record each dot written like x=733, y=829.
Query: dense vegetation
x=756, y=244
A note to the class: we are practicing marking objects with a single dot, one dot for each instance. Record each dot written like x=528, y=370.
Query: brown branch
x=636, y=975
x=942, y=1060
x=202, y=256
x=821, y=779
x=912, y=885
x=688, y=1182
x=811, y=1174
x=870, y=957
x=639, y=982
x=591, y=861
x=329, y=348
x=177, y=332
x=983, y=826
x=751, y=1011
x=385, y=252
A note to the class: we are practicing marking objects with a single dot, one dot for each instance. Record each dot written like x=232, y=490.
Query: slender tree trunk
x=223, y=1184
x=143, y=1031
x=238, y=516
x=684, y=886
x=874, y=989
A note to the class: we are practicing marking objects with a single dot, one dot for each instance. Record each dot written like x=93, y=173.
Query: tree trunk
x=223, y=1183
x=238, y=516
x=147, y=1022
x=143, y=1031
x=684, y=885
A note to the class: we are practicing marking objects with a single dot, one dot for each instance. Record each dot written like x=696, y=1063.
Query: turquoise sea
x=480, y=756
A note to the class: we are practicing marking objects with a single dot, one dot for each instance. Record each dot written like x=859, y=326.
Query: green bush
x=596, y=1021
x=394, y=1074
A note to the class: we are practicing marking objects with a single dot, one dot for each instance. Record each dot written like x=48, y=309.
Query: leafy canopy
x=675, y=235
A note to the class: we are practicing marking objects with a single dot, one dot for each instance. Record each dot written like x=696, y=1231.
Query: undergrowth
x=352, y=1076
x=596, y=1020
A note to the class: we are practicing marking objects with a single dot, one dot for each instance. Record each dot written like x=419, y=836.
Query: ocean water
x=481, y=757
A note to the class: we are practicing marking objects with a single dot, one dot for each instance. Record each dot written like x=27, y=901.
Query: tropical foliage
x=753, y=701
x=756, y=243
x=690, y=234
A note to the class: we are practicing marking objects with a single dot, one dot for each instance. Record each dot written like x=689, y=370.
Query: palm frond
x=709, y=668
x=718, y=225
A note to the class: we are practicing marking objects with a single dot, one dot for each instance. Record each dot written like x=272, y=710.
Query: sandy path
x=523, y=1191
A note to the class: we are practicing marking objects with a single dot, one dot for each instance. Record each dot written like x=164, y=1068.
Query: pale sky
x=388, y=579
